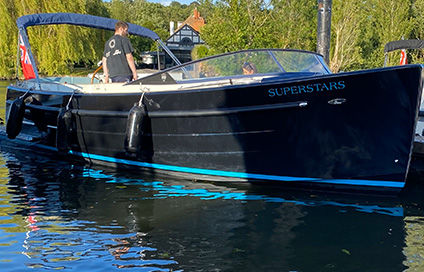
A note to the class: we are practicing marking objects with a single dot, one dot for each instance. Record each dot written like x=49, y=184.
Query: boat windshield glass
x=242, y=63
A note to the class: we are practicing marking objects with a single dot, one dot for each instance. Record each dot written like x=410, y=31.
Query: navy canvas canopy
x=403, y=44
x=81, y=20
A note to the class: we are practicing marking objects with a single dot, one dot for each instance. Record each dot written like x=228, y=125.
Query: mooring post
x=324, y=28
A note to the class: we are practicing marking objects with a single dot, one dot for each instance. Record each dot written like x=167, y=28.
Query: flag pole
x=25, y=40
x=403, y=57
x=18, y=57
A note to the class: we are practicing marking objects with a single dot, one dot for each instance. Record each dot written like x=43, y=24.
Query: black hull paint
x=350, y=129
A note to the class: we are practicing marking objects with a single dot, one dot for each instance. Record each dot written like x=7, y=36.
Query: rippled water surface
x=56, y=215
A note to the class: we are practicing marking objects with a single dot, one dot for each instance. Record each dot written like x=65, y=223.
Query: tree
x=391, y=21
x=347, y=21
x=156, y=17
x=359, y=29
x=97, y=37
x=56, y=48
x=151, y=16
x=238, y=24
x=417, y=10
x=199, y=51
x=121, y=10
x=8, y=42
x=295, y=24
x=206, y=7
x=177, y=12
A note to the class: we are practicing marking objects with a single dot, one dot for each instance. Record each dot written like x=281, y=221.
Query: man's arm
x=105, y=71
x=130, y=60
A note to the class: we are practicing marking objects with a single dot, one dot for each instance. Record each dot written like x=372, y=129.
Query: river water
x=55, y=215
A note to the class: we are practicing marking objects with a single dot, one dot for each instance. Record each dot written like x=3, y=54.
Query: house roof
x=178, y=39
x=195, y=21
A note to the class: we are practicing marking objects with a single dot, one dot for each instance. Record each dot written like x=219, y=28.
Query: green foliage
x=55, y=48
x=392, y=20
x=294, y=24
x=347, y=21
x=153, y=16
x=8, y=42
x=417, y=12
x=417, y=21
x=120, y=10
x=238, y=24
x=358, y=34
x=199, y=51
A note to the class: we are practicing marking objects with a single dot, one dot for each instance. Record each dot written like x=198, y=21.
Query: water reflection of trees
x=414, y=239
x=76, y=213
x=414, y=219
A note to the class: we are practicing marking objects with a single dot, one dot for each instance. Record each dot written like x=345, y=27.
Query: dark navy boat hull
x=339, y=130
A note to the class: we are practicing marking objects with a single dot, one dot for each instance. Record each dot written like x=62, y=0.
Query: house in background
x=181, y=41
x=186, y=36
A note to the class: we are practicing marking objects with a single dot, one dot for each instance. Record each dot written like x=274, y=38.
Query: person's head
x=121, y=28
x=249, y=68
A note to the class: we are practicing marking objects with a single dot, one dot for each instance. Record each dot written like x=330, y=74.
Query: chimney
x=171, y=28
x=196, y=14
x=179, y=24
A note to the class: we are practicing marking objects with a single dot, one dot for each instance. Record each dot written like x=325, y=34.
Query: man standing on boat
x=118, y=61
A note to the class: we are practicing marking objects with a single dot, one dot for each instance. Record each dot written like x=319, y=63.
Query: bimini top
x=81, y=20
x=403, y=44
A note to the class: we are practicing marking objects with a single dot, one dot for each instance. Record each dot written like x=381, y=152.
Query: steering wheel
x=94, y=74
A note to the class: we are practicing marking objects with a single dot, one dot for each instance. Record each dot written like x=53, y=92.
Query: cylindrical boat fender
x=64, y=129
x=134, y=129
x=38, y=116
x=15, y=117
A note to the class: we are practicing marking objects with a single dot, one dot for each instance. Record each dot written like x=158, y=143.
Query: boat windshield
x=241, y=63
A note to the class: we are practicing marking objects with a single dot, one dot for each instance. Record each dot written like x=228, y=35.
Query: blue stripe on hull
x=229, y=174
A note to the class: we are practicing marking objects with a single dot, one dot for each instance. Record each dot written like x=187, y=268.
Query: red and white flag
x=26, y=64
x=403, y=58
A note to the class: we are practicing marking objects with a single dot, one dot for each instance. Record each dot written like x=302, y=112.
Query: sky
x=166, y=2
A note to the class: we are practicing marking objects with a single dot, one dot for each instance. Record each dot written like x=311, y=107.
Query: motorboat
x=286, y=120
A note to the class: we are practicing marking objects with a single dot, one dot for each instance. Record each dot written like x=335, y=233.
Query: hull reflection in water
x=63, y=216
x=163, y=190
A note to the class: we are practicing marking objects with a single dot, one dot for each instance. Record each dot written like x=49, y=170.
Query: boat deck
x=83, y=84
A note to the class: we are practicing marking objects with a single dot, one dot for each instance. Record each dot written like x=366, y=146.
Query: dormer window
x=186, y=41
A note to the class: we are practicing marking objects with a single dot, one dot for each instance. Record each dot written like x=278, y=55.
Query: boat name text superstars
x=310, y=88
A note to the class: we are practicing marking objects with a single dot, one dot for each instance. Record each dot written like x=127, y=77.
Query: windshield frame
x=165, y=76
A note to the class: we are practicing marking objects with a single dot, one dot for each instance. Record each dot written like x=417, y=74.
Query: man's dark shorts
x=121, y=78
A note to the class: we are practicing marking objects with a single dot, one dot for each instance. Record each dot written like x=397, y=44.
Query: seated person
x=249, y=68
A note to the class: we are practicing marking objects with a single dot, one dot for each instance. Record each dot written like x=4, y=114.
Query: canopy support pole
x=158, y=55
x=174, y=58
